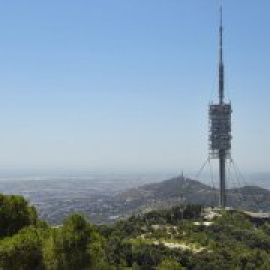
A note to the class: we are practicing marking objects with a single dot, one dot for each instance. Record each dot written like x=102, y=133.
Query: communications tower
x=220, y=126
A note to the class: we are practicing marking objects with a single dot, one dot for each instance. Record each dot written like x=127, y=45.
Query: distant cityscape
x=57, y=196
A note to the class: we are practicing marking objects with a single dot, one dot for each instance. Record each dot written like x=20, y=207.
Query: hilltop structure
x=220, y=125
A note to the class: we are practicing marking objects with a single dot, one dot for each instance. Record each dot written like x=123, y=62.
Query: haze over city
x=125, y=85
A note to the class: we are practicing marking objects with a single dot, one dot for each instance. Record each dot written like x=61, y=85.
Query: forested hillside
x=183, y=237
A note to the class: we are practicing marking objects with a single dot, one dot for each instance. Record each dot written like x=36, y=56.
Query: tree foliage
x=15, y=214
x=22, y=251
x=233, y=241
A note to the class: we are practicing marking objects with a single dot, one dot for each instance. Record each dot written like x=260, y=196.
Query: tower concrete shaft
x=222, y=178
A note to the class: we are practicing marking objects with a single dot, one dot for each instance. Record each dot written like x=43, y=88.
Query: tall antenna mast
x=220, y=125
x=221, y=66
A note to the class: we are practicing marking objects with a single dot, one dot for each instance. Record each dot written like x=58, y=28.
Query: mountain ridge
x=182, y=190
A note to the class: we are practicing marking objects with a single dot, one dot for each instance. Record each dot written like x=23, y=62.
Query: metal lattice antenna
x=221, y=66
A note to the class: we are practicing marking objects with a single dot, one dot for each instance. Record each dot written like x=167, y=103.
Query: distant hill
x=181, y=190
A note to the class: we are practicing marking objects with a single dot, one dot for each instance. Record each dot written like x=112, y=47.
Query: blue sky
x=124, y=85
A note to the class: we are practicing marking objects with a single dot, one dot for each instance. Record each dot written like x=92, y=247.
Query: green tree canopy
x=15, y=214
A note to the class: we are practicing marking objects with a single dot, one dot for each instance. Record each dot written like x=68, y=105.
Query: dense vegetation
x=178, y=238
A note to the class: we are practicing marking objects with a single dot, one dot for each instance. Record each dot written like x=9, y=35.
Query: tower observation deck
x=220, y=126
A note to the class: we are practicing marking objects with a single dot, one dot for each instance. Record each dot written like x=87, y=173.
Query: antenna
x=221, y=66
